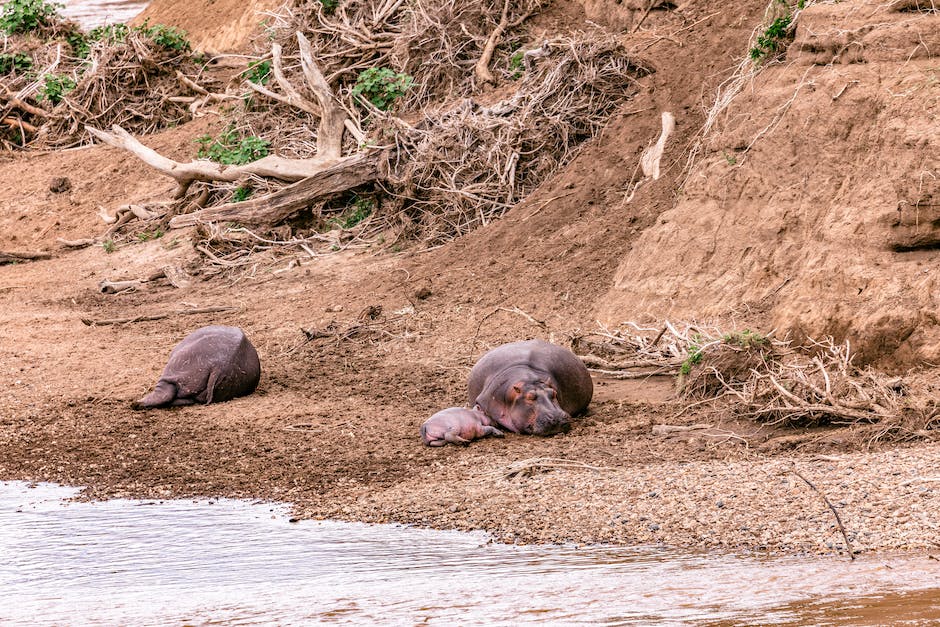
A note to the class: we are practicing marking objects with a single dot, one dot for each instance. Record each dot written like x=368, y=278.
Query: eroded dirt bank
x=333, y=427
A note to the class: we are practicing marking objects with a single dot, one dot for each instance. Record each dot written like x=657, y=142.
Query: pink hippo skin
x=530, y=387
x=457, y=425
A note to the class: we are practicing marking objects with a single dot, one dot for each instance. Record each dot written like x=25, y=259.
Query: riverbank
x=362, y=340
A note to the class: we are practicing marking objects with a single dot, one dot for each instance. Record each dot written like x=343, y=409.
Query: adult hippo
x=210, y=365
x=530, y=387
x=457, y=425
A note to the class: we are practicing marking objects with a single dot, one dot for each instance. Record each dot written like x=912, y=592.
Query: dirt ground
x=333, y=427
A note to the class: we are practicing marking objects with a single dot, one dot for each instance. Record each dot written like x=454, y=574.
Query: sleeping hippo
x=530, y=387
x=457, y=425
x=210, y=365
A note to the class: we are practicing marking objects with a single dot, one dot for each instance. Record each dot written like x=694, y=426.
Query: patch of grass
x=15, y=62
x=731, y=159
x=230, y=149
x=382, y=86
x=329, y=5
x=258, y=72
x=54, y=88
x=516, y=65
x=108, y=246
x=168, y=37
x=26, y=16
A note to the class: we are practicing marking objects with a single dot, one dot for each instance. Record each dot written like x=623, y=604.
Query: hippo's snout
x=552, y=425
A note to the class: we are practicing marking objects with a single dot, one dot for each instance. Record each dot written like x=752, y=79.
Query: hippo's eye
x=531, y=396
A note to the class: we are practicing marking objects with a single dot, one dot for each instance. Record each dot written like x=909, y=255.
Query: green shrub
x=54, y=88
x=109, y=33
x=241, y=194
x=25, y=16
x=168, y=37
x=258, y=72
x=15, y=62
x=229, y=149
x=382, y=86
x=329, y=5
x=770, y=42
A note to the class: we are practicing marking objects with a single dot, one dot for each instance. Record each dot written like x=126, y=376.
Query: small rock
x=59, y=185
x=653, y=527
x=720, y=504
x=422, y=293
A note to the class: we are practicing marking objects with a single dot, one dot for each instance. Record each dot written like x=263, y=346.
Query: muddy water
x=91, y=13
x=231, y=562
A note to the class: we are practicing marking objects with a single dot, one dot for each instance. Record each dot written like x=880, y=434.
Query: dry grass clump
x=465, y=166
x=132, y=83
x=63, y=79
x=770, y=380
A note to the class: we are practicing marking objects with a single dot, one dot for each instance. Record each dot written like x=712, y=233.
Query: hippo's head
x=532, y=408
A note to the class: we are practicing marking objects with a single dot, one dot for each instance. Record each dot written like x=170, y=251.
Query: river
x=213, y=562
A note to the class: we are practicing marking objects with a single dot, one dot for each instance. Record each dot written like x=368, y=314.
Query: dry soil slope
x=814, y=206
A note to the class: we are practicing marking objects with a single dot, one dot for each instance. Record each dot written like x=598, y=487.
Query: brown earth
x=334, y=424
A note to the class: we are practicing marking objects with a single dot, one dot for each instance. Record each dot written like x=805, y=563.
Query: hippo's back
x=575, y=388
x=220, y=351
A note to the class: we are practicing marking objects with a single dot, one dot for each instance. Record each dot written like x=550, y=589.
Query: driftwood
x=174, y=274
x=325, y=173
x=835, y=512
x=349, y=172
x=12, y=256
x=147, y=318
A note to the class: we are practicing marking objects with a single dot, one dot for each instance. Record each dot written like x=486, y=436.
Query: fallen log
x=11, y=256
x=346, y=174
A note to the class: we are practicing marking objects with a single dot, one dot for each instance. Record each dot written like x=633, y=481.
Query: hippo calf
x=457, y=425
x=211, y=364
x=530, y=387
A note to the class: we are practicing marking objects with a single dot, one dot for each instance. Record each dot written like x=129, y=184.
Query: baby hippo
x=457, y=425
x=211, y=364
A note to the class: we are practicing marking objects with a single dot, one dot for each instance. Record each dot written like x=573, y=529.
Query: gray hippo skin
x=457, y=425
x=530, y=387
x=210, y=365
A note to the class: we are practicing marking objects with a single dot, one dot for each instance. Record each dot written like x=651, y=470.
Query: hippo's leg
x=492, y=431
x=164, y=393
x=182, y=402
x=210, y=385
x=437, y=442
x=453, y=438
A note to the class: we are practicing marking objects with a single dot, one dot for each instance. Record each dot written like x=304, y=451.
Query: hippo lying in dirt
x=457, y=425
x=211, y=364
x=530, y=387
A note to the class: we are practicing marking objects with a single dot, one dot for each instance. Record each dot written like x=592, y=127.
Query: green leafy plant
x=109, y=33
x=695, y=355
x=230, y=149
x=382, y=86
x=241, y=194
x=145, y=236
x=329, y=5
x=168, y=37
x=25, y=16
x=770, y=42
x=258, y=72
x=54, y=88
x=15, y=62
x=108, y=246
x=362, y=208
